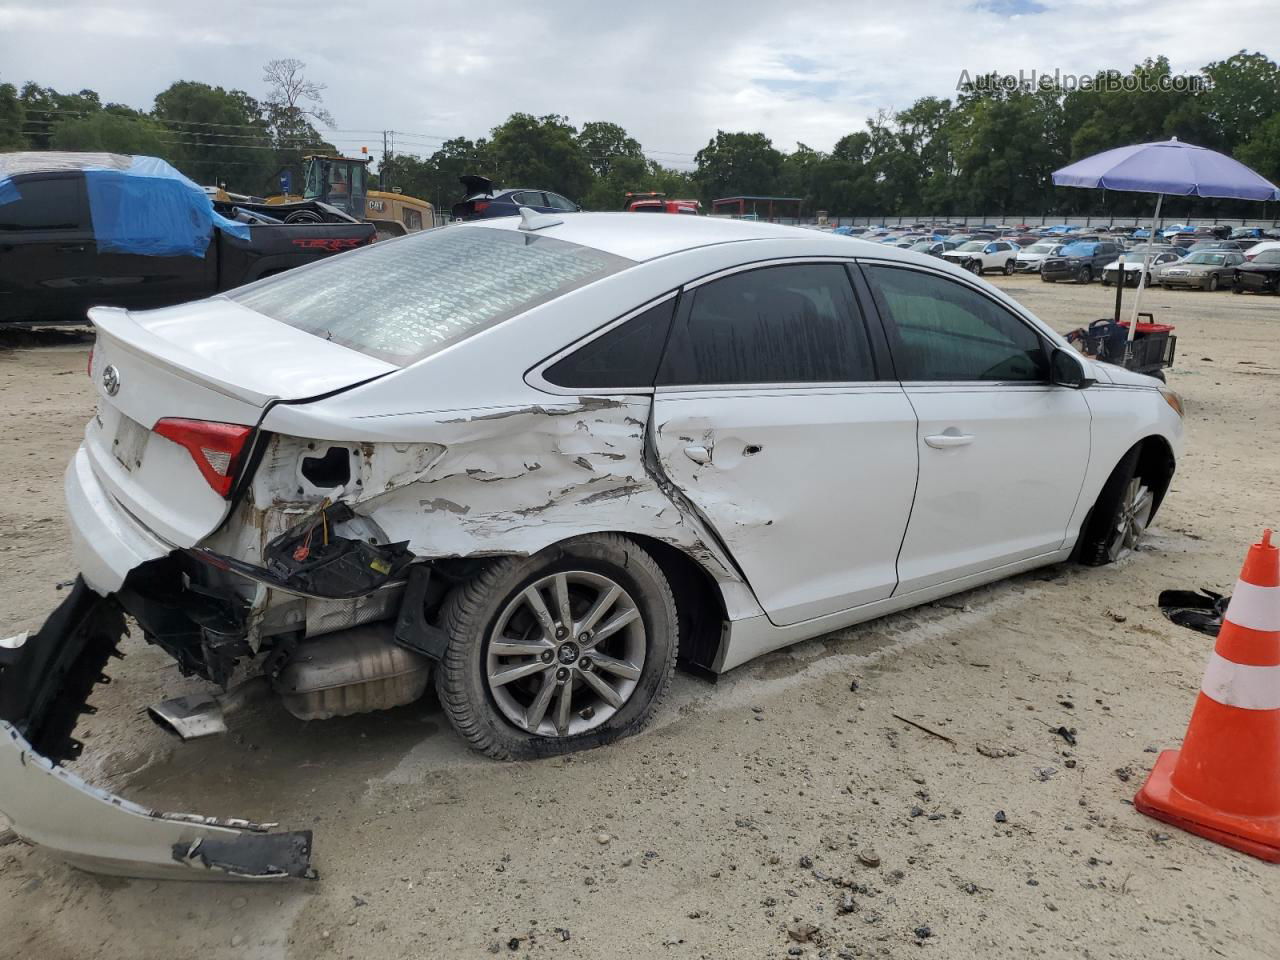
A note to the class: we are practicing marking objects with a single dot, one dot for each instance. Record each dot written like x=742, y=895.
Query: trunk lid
x=213, y=360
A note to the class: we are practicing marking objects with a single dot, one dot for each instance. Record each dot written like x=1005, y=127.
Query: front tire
x=571, y=648
x=1086, y=275
x=1213, y=283
x=1120, y=516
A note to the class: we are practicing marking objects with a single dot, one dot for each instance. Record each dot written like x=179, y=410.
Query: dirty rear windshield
x=401, y=300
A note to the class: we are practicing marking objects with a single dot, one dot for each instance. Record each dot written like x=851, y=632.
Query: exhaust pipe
x=204, y=714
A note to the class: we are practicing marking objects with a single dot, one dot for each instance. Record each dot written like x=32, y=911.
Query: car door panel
x=1003, y=453
x=771, y=418
x=809, y=489
x=1003, y=494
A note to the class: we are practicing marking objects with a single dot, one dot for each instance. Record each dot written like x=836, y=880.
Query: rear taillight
x=89, y=366
x=217, y=448
x=1249, y=256
x=480, y=205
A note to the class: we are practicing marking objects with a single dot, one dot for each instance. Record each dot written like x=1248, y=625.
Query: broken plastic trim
x=102, y=833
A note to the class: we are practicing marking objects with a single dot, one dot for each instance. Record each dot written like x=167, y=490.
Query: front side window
x=796, y=323
x=943, y=330
x=403, y=301
x=50, y=204
x=412, y=219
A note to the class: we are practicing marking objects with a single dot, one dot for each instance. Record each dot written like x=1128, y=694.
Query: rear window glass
x=404, y=299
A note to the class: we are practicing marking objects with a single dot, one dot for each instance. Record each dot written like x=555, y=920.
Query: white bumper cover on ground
x=96, y=831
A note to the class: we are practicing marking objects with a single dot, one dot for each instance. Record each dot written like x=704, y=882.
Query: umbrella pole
x=1146, y=267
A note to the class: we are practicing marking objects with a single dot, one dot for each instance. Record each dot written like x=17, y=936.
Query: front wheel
x=975, y=267
x=1213, y=283
x=570, y=648
x=1120, y=516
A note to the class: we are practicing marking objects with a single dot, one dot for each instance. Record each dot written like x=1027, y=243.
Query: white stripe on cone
x=1254, y=607
x=1240, y=685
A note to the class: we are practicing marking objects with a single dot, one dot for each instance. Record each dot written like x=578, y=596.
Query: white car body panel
x=849, y=445
x=990, y=261
x=987, y=501
x=467, y=453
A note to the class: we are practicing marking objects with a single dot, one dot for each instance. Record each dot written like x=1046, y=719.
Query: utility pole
x=382, y=165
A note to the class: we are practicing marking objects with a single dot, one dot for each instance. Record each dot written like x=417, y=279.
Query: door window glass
x=786, y=324
x=50, y=204
x=560, y=203
x=530, y=199
x=941, y=329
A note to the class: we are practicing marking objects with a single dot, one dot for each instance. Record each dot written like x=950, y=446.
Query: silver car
x=1203, y=270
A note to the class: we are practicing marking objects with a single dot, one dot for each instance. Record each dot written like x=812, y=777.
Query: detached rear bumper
x=45, y=681
x=96, y=831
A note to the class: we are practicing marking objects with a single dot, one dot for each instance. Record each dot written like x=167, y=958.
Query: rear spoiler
x=474, y=183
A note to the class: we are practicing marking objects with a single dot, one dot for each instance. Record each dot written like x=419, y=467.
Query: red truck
x=654, y=202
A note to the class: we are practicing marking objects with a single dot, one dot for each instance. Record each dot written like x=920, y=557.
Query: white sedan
x=538, y=459
x=979, y=256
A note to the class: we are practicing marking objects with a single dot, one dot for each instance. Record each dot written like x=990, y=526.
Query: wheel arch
x=1156, y=465
x=700, y=606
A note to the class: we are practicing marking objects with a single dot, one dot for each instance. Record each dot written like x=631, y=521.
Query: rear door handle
x=941, y=441
x=698, y=453
x=71, y=248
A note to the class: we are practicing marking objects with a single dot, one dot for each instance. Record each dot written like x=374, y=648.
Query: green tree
x=734, y=164
x=218, y=136
x=606, y=143
x=114, y=130
x=44, y=107
x=1262, y=151
x=12, y=117
x=528, y=151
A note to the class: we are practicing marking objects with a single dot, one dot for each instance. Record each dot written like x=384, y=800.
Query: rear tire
x=497, y=716
x=1119, y=517
x=1008, y=268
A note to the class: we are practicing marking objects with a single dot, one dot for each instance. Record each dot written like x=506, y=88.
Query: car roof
x=646, y=238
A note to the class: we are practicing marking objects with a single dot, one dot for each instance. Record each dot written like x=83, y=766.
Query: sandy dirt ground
x=776, y=804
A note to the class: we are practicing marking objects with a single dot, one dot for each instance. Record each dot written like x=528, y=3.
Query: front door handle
x=71, y=248
x=941, y=441
x=698, y=453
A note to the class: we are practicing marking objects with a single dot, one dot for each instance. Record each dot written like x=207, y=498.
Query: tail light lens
x=217, y=448
x=480, y=205
x=89, y=366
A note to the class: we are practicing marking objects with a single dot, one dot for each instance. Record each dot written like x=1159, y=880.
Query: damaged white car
x=539, y=461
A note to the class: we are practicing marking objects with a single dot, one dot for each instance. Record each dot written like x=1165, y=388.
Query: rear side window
x=49, y=204
x=627, y=356
x=941, y=329
x=796, y=323
x=530, y=199
x=405, y=299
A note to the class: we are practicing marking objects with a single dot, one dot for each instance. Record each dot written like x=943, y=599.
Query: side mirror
x=1066, y=369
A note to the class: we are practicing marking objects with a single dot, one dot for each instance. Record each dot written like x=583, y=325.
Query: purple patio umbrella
x=1168, y=166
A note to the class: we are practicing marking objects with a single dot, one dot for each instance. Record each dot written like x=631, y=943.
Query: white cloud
x=671, y=73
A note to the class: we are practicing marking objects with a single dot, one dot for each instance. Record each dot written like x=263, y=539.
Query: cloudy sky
x=670, y=72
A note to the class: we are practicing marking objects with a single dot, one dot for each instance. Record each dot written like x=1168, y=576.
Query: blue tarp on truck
x=139, y=205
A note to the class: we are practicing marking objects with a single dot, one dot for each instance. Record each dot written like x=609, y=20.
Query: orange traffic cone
x=1224, y=784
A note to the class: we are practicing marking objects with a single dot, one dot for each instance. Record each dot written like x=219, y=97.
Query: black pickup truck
x=52, y=268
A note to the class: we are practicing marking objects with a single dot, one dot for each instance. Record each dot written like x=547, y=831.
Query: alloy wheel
x=566, y=653
x=1131, y=519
